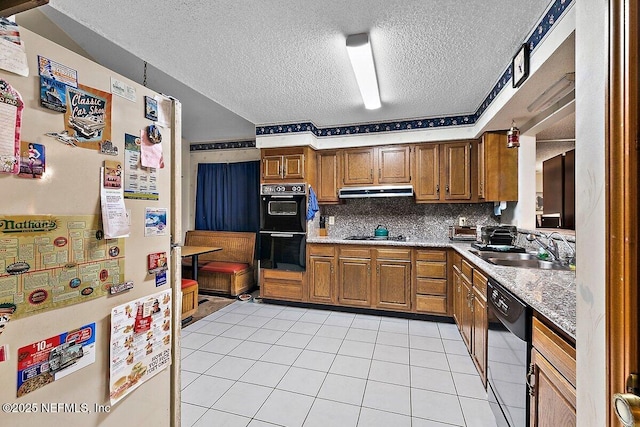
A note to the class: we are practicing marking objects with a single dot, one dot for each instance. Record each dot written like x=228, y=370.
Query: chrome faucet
x=551, y=247
x=572, y=258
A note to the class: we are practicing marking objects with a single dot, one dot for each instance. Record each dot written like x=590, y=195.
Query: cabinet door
x=466, y=321
x=358, y=166
x=427, y=181
x=394, y=165
x=457, y=170
x=553, y=399
x=327, y=186
x=458, y=297
x=497, y=168
x=321, y=280
x=480, y=328
x=293, y=166
x=272, y=167
x=392, y=284
x=354, y=281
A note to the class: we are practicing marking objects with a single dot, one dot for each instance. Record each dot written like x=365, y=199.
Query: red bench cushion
x=187, y=283
x=224, y=267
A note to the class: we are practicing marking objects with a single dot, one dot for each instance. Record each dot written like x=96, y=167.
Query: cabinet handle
x=379, y=173
x=371, y=174
x=446, y=188
x=437, y=188
x=331, y=267
x=378, y=270
x=531, y=374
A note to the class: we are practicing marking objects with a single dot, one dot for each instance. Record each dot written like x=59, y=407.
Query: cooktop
x=399, y=238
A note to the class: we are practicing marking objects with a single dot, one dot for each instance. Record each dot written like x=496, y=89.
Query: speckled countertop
x=551, y=293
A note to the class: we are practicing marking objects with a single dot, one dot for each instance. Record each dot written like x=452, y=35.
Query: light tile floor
x=269, y=365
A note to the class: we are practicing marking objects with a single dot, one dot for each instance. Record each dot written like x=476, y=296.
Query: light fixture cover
x=361, y=56
x=554, y=93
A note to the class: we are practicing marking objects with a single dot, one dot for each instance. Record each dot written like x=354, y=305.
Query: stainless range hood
x=376, y=191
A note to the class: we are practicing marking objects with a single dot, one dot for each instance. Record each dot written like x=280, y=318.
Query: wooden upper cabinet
x=327, y=177
x=293, y=166
x=377, y=165
x=394, y=165
x=358, y=166
x=427, y=181
x=287, y=164
x=272, y=167
x=457, y=170
x=497, y=169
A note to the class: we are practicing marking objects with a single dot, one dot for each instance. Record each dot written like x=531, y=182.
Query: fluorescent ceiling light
x=553, y=94
x=361, y=56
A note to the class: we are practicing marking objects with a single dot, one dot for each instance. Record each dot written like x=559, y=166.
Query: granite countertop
x=551, y=293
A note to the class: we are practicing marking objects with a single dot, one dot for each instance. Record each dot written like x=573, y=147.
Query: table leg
x=194, y=267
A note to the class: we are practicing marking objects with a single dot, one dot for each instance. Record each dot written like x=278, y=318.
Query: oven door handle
x=281, y=235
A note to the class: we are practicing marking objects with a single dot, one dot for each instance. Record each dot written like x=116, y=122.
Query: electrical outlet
x=462, y=221
x=332, y=220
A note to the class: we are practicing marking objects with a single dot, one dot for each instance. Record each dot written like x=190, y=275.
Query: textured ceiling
x=282, y=62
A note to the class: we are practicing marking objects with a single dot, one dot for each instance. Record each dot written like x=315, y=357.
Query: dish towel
x=313, y=205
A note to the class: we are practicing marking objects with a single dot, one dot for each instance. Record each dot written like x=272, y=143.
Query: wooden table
x=193, y=252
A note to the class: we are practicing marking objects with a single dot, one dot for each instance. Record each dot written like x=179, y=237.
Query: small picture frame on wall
x=520, y=66
x=151, y=108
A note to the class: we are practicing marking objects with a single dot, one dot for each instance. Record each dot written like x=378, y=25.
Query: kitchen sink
x=522, y=260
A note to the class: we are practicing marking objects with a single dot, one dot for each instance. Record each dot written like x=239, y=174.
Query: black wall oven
x=283, y=226
x=283, y=208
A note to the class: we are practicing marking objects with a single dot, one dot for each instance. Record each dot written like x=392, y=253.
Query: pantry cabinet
x=497, y=169
x=392, y=283
x=443, y=171
x=376, y=165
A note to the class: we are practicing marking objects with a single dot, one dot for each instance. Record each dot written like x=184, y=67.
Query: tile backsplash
x=402, y=216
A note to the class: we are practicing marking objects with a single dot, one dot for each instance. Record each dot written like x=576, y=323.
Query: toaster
x=465, y=233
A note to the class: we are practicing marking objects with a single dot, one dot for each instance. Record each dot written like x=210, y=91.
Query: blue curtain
x=228, y=196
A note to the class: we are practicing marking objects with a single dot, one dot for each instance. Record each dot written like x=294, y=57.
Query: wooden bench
x=229, y=271
x=189, y=298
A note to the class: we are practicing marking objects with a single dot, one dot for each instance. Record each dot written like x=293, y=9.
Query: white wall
x=525, y=209
x=190, y=174
x=591, y=80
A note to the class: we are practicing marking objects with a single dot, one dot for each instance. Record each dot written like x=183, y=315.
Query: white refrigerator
x=60, y=279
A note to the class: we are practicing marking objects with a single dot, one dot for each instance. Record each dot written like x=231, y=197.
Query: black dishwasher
x=508, y=356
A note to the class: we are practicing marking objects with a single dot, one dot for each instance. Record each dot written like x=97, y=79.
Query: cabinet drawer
x=480, y=282
x=268, y=273
x=437, y=270
x=437, y=255
x=281, y=290
x=431, y=304
x=355, y=253
x=321, y=250
x=404, y=254
x=467, y=270
x=431, y=286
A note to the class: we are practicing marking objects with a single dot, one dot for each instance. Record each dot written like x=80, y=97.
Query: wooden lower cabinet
x=321, y=276
x=480, y=330
x=283, y=285
x=392, y=284
x=354, y=280
x=552, y=379
x=431, y=285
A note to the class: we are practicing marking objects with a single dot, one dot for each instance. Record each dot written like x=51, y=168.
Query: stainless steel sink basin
x=522, y=260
